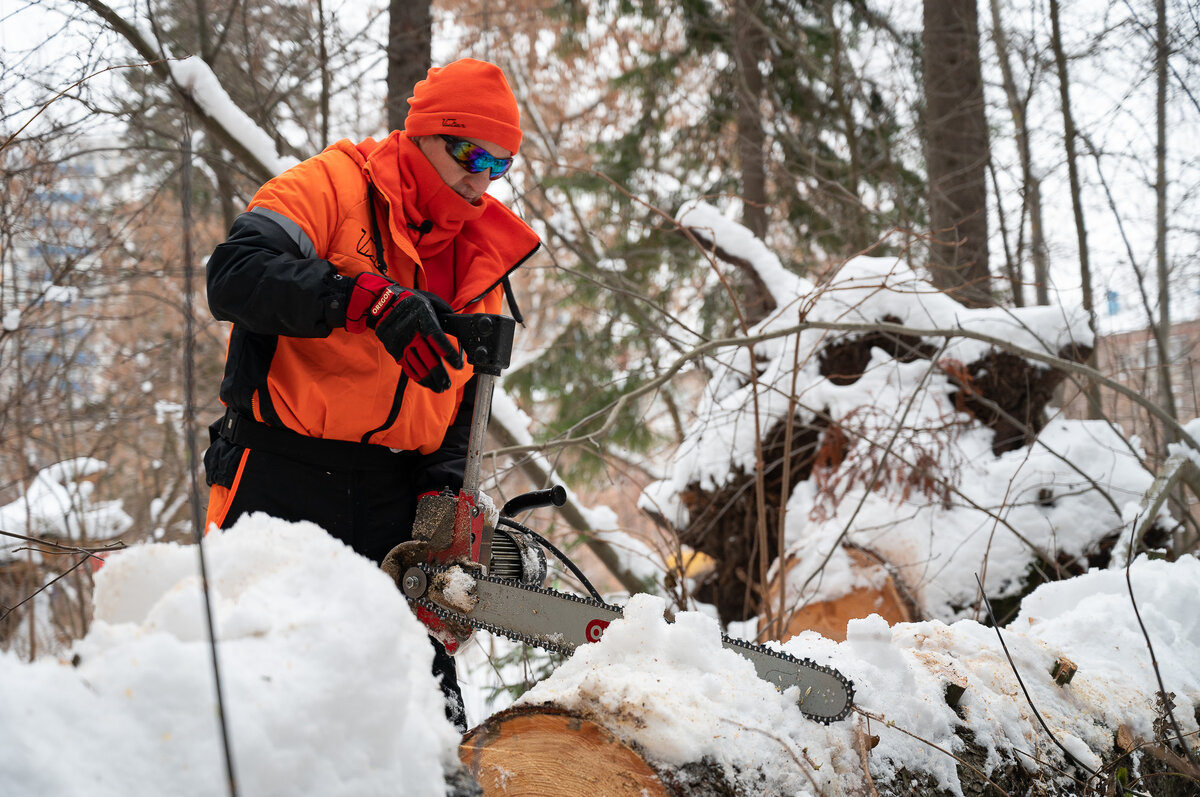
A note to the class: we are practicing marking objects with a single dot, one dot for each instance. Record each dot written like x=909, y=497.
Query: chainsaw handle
x=551, y=496
x=486, y=339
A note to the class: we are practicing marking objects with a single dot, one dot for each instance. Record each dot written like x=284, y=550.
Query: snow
x=675, y=693
x=326, y=699
x=710, y=223
x=1192, y=429
x=195, y=76
x=682, y=694
x=1073, y=486
x=919, y=484
x=325, y=696
x=64, y=294
x=58, y=504
x=322, y=697
x=458, y=589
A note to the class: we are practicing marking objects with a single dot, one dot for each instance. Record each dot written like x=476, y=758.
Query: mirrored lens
x=476, y=159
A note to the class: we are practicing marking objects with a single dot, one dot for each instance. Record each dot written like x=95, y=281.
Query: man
x=345, y=399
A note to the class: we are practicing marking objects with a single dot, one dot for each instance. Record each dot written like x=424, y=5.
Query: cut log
x=543, y=752
x=828, y=618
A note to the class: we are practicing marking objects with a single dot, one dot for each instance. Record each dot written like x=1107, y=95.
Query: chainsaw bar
x=560, y=622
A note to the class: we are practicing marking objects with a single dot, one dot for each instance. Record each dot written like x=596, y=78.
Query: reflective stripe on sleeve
x=292, y=229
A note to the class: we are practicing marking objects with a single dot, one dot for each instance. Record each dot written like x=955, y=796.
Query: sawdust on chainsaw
x=454, y=589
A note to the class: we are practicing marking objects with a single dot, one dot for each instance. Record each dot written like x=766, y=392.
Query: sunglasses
x=475, y=158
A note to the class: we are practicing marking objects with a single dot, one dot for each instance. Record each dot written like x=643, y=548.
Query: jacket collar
x=429, y=212
x=490, y=240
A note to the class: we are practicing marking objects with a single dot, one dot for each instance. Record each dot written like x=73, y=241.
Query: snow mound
x=675, y=692
x=865, y=290
x=896, y=450
x=325, y=673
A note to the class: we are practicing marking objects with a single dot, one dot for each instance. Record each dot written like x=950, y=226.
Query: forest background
x=1015, y=153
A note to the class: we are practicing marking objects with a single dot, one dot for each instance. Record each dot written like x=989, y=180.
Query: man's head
x=465, y=101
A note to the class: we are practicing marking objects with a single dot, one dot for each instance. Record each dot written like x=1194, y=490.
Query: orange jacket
x=284, y=276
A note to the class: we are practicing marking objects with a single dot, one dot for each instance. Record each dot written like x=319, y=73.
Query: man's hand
x=405, y=321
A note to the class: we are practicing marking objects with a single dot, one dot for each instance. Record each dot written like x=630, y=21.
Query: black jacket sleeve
x=259, y=278
x=444, y=468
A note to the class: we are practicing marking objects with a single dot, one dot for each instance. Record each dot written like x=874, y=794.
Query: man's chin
x=469, y=196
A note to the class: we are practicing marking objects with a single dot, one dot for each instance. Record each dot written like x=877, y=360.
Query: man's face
x=470, y=187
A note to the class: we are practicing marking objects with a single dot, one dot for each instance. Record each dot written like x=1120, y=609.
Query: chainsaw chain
x=538, y=642
x=546, y=644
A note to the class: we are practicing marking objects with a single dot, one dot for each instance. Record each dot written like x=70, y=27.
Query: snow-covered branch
x=201, y=97
x=610, y=413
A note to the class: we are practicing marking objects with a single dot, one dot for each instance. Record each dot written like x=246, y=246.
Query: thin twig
x=62, y=93
x=874, y=476
x=1162, y=688
x=88, y=550
x=715, y=344
x=934, y=745
x=988, y=604
x=42, y=588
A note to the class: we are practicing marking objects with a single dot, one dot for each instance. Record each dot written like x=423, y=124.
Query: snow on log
x=941, y=709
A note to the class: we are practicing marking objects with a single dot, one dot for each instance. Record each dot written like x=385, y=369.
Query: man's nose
x=480, y=181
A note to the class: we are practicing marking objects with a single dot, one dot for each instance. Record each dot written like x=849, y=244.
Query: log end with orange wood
x=539, y=751
x=888, y=598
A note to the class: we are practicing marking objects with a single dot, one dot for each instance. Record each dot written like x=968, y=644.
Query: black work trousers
x=369, y=510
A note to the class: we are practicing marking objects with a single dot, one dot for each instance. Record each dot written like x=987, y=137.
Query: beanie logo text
x=450, y=121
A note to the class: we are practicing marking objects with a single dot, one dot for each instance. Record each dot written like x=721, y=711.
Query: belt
x=329, y=454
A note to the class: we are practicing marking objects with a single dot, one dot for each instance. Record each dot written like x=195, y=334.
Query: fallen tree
x=1064, y=700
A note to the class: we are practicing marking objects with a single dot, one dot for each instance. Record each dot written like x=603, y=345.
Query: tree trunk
x=747, y=46
x=1031, y=194
x=1166, y=395
x=410, y=29
x=956, y=151
x=887, y=597
x=1091, y=390
x=323, y=60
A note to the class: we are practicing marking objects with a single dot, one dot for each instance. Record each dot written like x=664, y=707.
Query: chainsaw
x=471, y=566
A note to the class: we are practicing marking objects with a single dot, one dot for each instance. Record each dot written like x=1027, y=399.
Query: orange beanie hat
x=468, y=99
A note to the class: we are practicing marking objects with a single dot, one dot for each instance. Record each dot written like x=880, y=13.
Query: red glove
x=405, y=321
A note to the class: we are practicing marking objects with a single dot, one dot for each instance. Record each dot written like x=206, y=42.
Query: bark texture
x=956, y=151
x=410, y=29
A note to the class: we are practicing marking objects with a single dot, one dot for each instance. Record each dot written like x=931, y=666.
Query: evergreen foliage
x=838, y=178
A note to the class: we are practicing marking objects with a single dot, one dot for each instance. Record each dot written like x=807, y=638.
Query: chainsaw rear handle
x=486, y=339
x=551, y=496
